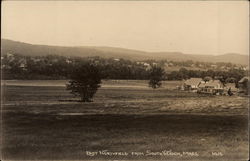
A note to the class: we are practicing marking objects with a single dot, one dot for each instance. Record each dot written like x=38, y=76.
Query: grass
x=41, y=122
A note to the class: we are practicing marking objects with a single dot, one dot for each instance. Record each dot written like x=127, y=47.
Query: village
x=125, y=80
x=215, y=87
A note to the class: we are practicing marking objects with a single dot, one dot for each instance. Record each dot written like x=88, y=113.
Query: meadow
x=41, y=120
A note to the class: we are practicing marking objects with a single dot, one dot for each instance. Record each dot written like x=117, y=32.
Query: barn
x=244, y=85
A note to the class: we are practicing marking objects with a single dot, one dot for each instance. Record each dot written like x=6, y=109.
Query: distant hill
x=9, y=46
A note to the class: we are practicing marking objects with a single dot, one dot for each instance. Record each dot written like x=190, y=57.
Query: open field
x=105, y=83
x=41, y=120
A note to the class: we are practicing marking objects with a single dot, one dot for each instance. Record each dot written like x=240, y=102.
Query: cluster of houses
x=215, y=87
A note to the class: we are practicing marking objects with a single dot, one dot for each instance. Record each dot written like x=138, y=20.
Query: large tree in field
x=85, y=79
x=156, y=75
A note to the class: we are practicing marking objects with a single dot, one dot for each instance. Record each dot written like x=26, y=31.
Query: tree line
x=16, y=66
x=230, y=76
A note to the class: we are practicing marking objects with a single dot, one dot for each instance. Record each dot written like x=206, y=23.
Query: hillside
x=9, y=46
x=81, y=51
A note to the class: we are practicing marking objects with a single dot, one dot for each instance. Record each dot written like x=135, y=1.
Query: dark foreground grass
x=40, y=136
x=43, y=123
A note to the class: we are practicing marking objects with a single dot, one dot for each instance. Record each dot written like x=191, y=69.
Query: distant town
x=57, y=67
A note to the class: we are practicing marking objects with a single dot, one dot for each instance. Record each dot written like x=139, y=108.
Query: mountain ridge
x=11, y=46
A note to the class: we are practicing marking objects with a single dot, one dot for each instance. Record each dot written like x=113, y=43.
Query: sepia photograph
x=125, y=80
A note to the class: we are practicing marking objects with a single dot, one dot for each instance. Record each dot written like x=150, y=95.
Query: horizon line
x=124, y=48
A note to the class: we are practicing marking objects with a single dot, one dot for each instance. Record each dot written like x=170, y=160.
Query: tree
x=156, y=75
x=207, y=78
x=230, y=80
x=85, y=80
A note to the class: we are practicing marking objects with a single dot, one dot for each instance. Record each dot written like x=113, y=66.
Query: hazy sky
x=193, y=27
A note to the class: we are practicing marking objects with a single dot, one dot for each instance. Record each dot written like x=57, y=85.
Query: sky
x=192, y=27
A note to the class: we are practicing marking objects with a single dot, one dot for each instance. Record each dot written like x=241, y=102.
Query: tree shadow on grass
x=69, y=100
x=72, y=100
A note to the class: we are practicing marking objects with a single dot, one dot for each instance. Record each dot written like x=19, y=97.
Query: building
x=232, y=87
x=211, y=87
x=192, y=84
x=244, y=85
x=23, y=64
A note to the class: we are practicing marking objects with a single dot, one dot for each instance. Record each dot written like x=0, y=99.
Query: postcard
x=125, y=80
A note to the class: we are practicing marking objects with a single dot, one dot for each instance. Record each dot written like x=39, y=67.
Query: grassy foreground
x=44, y=122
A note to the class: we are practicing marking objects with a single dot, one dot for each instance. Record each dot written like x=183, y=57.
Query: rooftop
x=211, y=83
x=244, y=79
x=193, y=81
